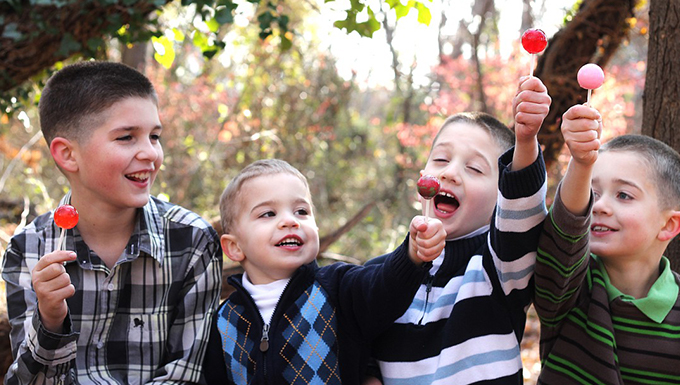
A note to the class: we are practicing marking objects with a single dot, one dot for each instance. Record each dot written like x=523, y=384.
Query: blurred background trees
x=245, y=80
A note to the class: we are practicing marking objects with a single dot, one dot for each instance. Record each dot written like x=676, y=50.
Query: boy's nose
x=289, y=221
x=451, y=174
x=148, y=150
x=601, y=206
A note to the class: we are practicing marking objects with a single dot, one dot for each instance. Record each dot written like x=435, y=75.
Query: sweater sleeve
x=370, y=298
x=562, y=262
x=516, y=225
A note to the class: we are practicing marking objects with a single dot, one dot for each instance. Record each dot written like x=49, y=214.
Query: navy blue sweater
x=321, y=329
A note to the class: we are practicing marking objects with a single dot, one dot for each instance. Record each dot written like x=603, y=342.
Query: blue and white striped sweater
x=466, y=321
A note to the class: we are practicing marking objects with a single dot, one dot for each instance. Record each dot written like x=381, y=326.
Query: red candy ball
x=66, y=217
x=428, y=186
x=534, y=40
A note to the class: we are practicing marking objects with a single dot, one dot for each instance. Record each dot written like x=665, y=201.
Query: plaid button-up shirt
x=145, y=321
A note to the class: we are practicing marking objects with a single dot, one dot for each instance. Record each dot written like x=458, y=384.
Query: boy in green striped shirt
x=605, y=294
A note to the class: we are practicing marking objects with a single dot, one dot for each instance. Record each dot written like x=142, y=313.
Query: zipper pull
x=264, y=342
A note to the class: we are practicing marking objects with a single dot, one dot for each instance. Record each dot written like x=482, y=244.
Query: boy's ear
x=62, y=151
x=672, y=227
x=231, y=248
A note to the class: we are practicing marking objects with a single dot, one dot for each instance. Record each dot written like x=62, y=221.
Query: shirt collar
x=147, y=236
x=660, y=299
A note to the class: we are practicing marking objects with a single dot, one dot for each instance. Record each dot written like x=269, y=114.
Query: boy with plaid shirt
x=290, y=321
x=130, y=299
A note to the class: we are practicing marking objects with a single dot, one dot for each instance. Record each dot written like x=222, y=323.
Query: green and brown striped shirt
x=590, y=333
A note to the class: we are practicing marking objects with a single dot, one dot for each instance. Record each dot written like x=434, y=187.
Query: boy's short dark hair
x=663, y=161
x=75, y=95
x=229, y=201
x=502, y=135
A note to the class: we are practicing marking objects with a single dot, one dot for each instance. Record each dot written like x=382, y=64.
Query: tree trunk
x=661, y=111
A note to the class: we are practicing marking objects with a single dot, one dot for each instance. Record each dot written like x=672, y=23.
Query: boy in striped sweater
x=465, y=323
x=605, y=294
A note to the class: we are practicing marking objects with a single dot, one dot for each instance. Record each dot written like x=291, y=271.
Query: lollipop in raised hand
x=428, y=188
x=590, y=77
x=66, y=217
x=534, y=41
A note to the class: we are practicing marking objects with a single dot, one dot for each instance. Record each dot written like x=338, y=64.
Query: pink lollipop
x=590, y=76
x=534, y=41
x=66, y=217
x=428, y=188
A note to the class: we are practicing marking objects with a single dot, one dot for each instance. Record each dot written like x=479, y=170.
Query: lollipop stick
x=60, y=244
x=590, y=92
x=531, y=65
x=427, y=209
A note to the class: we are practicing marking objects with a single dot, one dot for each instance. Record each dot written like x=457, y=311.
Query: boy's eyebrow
x=272, y=202
x=135, y=128
x=621, y=181
x=474, y=151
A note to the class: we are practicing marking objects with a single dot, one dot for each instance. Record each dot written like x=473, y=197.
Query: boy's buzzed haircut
x=663, y=161
x=503, y=136
x=77, y=93
x=229, y=201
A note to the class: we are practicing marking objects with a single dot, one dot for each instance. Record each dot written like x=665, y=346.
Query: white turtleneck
x=265, y=296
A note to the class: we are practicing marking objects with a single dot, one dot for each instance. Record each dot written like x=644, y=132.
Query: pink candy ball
x=590, y=76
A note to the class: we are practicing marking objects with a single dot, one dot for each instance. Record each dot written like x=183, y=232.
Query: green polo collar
x=660, y=299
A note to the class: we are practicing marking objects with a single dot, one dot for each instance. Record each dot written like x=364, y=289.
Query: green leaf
x=424, y=14
x=165, y=51
x=286, y=43
x=224, y=16
x=68, y=45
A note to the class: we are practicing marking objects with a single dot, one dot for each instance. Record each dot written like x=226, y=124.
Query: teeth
x=600, y=228
x=289, y=242
x=140, y=175
x=445, y=194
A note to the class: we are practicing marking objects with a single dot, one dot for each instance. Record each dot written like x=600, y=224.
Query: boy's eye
x=624, y=196
x=476, y=169
x=440, y=160
x=156, y=137
x=124, y=138
x=302, y=212
x=267, y=214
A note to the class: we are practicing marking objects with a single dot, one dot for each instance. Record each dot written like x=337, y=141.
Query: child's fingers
x=581, y=112
x=532, y=83
x=55, y=257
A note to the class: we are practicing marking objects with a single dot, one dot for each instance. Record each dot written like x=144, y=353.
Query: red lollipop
x=534, y=41
x=428, y=188
x=66, y=217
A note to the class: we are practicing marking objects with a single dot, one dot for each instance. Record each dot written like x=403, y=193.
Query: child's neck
x=633, y=278
x=106, y=232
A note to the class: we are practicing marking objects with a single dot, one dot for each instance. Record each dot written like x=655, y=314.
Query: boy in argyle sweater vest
x=289, y=320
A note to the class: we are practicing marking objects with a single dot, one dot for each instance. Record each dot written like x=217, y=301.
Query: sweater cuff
x=402, y=267
x=521, y=183
x=565, y=222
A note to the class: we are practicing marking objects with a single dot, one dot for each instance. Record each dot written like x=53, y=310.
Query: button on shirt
x=146, y=320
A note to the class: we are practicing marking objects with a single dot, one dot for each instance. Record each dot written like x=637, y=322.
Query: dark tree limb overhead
x=35, y=37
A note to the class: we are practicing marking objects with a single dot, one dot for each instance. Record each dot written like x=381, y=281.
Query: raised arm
x=581, y=128
x=530, y=106
x=563, y=252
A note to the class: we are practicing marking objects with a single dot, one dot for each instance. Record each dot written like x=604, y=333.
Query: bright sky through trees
x=371, y=58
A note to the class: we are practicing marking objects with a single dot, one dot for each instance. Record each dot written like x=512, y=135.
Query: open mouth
x=601, y=229
x=446, y=203
x=290, y=241
x=139, y=176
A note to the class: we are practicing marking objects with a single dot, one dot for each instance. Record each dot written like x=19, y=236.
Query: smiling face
x=465, y=159
x=118, y=161
x=627, y=217
x=274, y=232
